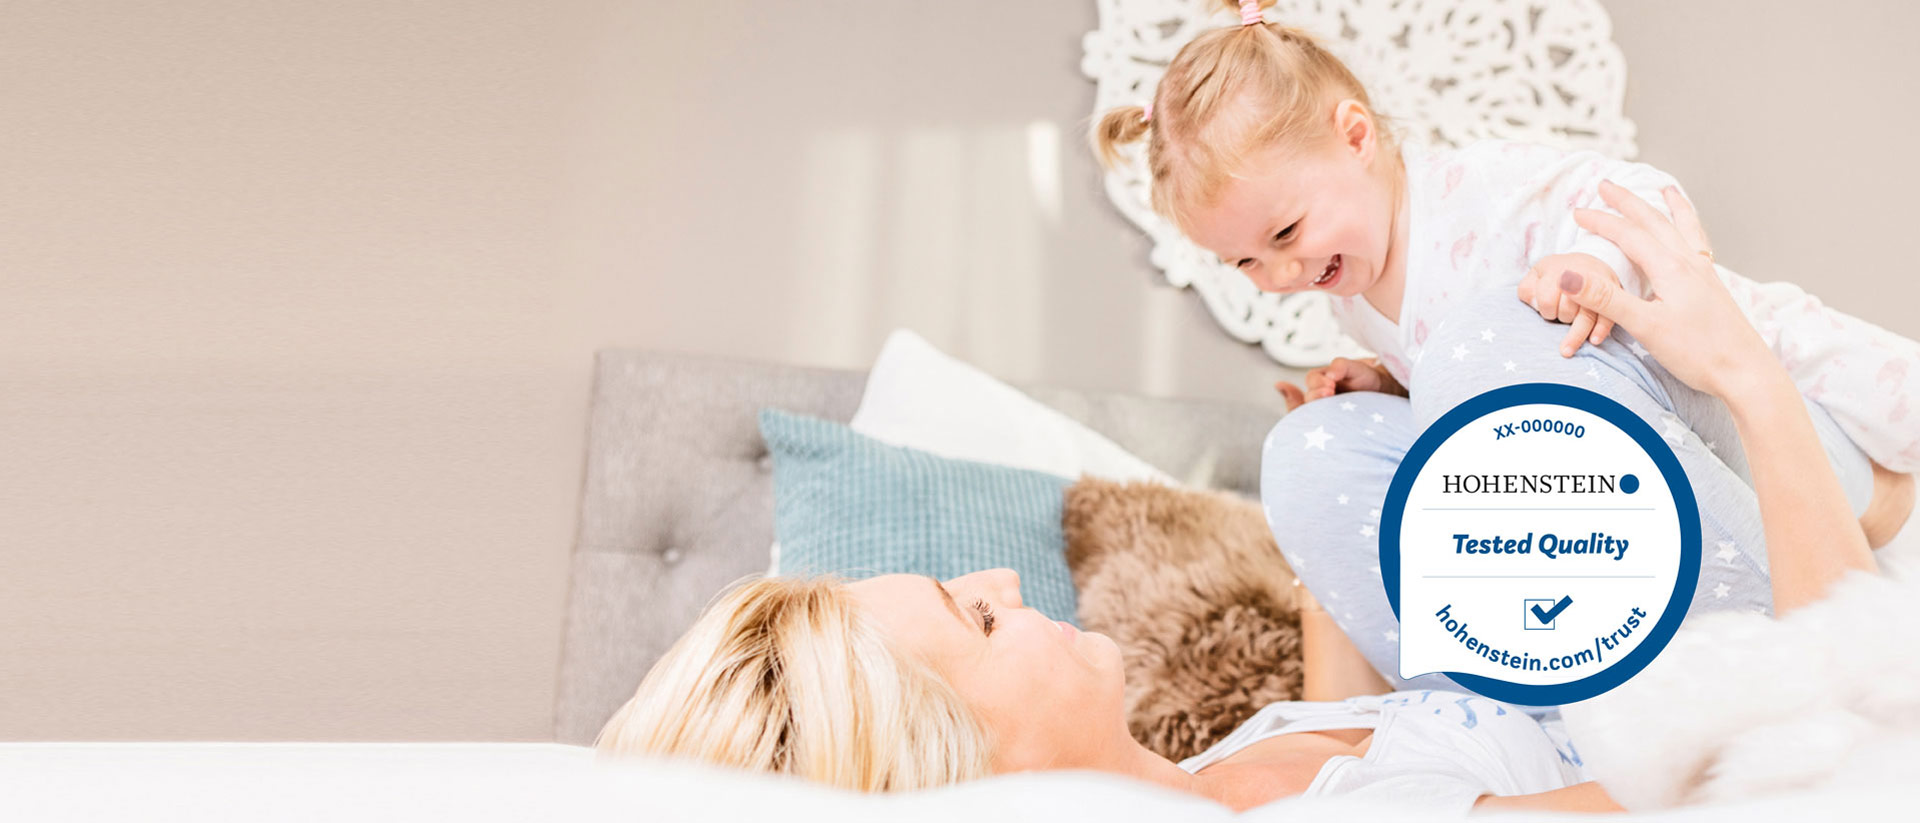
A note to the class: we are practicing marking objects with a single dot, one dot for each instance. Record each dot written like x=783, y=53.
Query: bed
x=677, y=503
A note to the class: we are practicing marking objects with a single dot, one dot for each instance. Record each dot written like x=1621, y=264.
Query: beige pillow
x=1193, y=589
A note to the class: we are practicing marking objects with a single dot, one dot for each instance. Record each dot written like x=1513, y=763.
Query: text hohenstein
x=1528, y=483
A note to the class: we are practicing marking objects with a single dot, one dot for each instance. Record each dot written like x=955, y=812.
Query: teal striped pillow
x=847, y=504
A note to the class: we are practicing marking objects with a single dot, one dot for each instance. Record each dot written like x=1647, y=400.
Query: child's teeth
x=1331, y=267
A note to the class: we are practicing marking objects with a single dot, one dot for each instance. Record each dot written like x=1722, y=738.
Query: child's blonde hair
x=787, y=675
x=1227, y=94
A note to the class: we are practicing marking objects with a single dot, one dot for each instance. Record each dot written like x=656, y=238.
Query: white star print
x=1720, y=590
x=1317, y=439
x=1509, y=364
x=1375, y=568
x=1726, y=551
x=1593, y=372
x=1375, y=514
x=1369, y=432
x=1711, y=446
x=1675, y=431
x=1392, y=636
x=1342, y=499
x=1460, y=351
x=1486, y=336
x=1378, y=418
x=1366, y=531
x=1333, y=595
x=1637, y=349
x=1347, y=406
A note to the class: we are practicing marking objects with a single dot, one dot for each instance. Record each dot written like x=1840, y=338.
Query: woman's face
x=1050, y=693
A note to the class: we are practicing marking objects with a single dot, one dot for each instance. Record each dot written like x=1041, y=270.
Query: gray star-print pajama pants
x=1326, y=465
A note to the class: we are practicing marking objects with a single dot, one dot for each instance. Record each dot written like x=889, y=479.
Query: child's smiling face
x=1316, y=218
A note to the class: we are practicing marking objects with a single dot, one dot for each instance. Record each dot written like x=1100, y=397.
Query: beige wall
x=297, y=300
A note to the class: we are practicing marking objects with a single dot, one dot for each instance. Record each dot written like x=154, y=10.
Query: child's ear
x=1356, y=130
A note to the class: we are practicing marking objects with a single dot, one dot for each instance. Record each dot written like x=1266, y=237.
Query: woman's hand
x=1342, y=375
x=1697, y=332
x=1692, y=326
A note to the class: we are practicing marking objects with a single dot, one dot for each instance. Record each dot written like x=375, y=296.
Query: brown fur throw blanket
x=1193, y=589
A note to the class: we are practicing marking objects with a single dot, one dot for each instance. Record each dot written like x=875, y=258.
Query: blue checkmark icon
x=1548, y=615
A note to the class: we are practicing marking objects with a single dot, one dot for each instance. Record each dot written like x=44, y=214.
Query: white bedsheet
x=480, y=782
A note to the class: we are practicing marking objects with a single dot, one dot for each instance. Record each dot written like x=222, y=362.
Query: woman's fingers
x=1643, y=214
x=1686, y=220
x=1638, y=245
x=1607, y=299
x=1582, y=326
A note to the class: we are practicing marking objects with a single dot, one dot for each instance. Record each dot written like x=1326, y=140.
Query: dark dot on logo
x=1629, y=483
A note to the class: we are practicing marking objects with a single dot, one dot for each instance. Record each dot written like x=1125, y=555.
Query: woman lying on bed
x=904, y=682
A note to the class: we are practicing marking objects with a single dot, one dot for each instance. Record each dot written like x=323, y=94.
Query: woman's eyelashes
x=986, y=616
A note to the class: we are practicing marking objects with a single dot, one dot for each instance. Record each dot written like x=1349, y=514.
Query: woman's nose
x=1007, y=585
x=1002, y=586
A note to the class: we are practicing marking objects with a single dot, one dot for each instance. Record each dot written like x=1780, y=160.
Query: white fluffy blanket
x=1742, y=706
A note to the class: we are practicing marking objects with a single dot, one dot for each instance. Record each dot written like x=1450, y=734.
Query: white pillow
x=918, y=396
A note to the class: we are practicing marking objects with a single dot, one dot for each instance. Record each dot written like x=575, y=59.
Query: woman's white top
x=1441, y=750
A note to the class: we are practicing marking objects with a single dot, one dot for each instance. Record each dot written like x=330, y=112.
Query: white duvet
x=552, y=783
x=1743, y=706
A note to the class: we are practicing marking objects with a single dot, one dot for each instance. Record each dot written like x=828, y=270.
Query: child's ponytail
x=1118, y=127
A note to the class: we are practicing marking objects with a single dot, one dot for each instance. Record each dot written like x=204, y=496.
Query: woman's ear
x=1355, y=127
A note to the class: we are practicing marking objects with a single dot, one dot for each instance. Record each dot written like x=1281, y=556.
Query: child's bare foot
x=1893, y=498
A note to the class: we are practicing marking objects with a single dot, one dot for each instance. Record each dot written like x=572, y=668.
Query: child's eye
x=1286, y=232
x=986, y=616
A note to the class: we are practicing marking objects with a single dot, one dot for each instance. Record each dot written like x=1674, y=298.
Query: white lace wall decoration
x=1448, y=71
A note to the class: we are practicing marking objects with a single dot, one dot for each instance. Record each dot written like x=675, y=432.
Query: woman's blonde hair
x=1227, y=94
x=788, y=675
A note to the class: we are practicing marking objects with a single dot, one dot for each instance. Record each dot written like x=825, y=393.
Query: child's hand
x=1342, y=375
x=1541, y=290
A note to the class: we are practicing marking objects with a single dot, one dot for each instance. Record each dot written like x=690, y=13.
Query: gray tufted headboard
x=678, y=499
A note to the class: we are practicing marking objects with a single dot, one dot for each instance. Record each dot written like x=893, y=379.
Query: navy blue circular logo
x=1544, y=543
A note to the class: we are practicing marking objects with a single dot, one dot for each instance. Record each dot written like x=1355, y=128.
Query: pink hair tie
x=1250, y=12
x=1146, y=112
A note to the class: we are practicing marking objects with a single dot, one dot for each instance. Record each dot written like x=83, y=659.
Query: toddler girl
x=1263, y=148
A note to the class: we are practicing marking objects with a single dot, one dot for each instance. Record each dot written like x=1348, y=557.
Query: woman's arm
x=1812, y=536
x=1699, y=334
x=1335, y=670
x=1579, y=797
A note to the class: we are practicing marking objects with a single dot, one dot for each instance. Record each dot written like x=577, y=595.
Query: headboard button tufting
x=671, y=555
x=766, y=462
